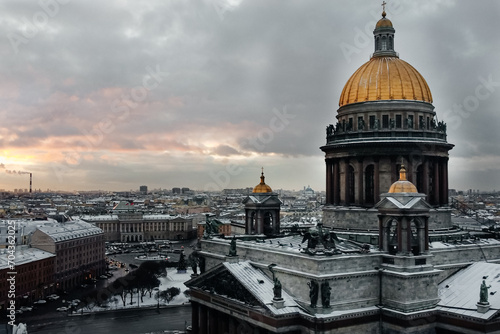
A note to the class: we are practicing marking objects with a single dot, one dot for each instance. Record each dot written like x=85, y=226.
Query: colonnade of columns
x=210, y=321
x=131, y=227
x=347, y=181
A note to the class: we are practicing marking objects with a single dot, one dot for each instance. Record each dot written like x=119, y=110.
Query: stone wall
x=352, y=217
x=453, y=258
x=409, y=292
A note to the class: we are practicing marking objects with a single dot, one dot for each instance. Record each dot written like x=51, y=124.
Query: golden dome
x=383, y=22
x=262, y=187
x=385, y=78
x=403, y=185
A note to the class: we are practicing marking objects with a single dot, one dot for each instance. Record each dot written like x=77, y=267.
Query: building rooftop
x=260, y=286
x=459, y=293
x=290, y=244
x=70, y=230
x=23, y=254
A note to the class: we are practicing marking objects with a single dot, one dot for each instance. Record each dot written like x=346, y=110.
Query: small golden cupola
x=403, y=185
x=384, y=22
x=262, y=187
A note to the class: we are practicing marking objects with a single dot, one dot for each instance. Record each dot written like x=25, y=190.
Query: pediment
x=222, y=282
x=243, y=282
x=271, y=200
x=407, y=203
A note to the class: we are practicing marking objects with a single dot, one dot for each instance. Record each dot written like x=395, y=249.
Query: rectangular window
x=385, y=121
x=372, y=122
x=349, y=125
x=399, y=123
x=421, y=124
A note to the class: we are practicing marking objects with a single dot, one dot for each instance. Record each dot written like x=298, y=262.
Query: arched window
x=369, y=185
x=415, y=247
x=268, y=223
x=393, y=236
x=252, y=223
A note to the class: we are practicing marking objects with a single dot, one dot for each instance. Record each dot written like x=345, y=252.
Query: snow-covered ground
x=173, y=279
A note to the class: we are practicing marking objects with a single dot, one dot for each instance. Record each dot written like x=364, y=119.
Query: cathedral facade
x=386, y=175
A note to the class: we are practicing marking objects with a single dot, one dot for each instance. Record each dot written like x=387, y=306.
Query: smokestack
x=31, y=179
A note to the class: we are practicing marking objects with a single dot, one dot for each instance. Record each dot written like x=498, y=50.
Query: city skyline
x=202, y=95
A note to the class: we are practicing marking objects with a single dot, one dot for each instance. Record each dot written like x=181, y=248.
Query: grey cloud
x=234, y=65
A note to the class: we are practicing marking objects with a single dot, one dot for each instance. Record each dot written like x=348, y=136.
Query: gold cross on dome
x=383, y=5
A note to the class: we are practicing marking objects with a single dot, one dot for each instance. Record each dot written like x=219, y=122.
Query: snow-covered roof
x=69, y=230
x=23, y=255
x=434, y=245
x=289, y=244
x=260, y=286
x=459, y=293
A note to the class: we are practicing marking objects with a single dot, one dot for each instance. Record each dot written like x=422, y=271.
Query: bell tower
x=404, y=240
x=262, y=210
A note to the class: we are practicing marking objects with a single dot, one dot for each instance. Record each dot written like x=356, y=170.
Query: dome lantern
x=384, y=37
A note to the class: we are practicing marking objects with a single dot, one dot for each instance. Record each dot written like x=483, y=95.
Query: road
x=123, y=322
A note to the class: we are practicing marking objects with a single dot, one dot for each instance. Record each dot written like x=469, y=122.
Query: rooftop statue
x=330, y=130
x=325, y=294
x=318, y=235
x=409, y=122
x=361, y=124
x=232, y=249
x=210, y=228
x=313, y=292
x=277, y=283
x=483, y=294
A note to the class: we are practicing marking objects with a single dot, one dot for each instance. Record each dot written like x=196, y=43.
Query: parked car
x=53, y=297
x=62, y=309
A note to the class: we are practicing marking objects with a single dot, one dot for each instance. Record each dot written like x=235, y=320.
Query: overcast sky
x=116, y=94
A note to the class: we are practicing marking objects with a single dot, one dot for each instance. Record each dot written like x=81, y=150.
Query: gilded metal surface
x=262, y=187
x=385, y=78
x=403, y=185
x=382, y=23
